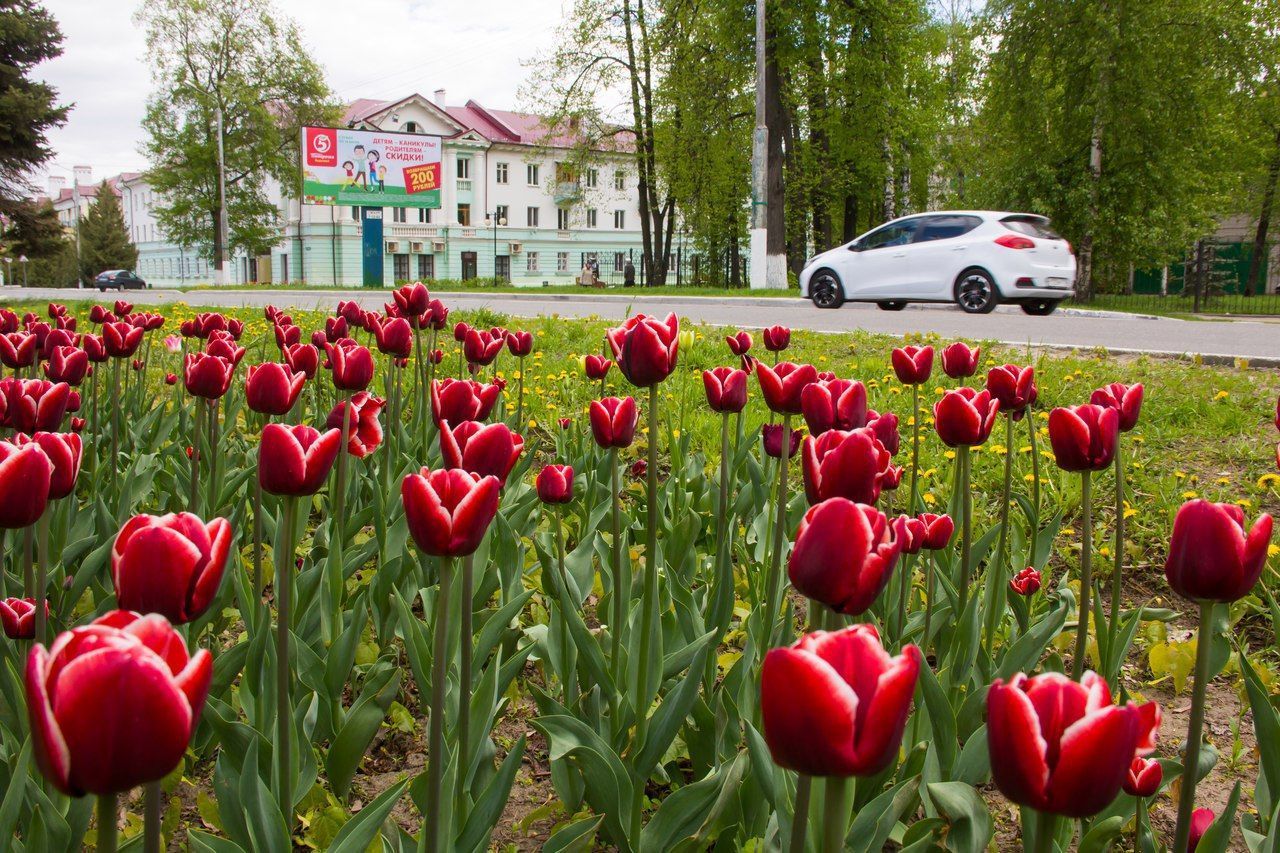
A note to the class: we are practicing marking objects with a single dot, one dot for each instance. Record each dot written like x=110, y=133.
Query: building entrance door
x=468, y=266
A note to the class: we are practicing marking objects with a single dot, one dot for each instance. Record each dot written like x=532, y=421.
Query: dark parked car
x=119, y=279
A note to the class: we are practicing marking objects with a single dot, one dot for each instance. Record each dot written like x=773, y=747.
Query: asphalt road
x=1214, y=340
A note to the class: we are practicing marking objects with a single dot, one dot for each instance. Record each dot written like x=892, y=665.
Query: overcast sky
x=368, y=48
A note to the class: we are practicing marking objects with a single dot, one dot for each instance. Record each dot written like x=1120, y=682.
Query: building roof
x=90, y=190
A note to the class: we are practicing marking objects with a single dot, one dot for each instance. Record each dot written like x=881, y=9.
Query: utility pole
x=760, y=166
x=75, y=202
x=220, y=272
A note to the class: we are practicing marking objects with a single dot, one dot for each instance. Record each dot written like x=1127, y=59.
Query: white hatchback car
x=975, y=258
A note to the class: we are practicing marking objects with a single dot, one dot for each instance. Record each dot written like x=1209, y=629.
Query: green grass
x=1265, y=305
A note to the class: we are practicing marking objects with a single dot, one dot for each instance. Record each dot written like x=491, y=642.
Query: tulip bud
x=519, y=344
x=295, y=460
x=771, y=436
x=639, y=468
x=885, y=426
x=77, y=424
x=18, y=616
x=481, y=347
x=1025, y=582
x=1125, y=399
x=458, y=400
x=776, y=338
x=1013, y=387
x=834, y=404
x=739, y=343
x=726, y=389
x=555, y=484
x=910, y=532
x=352, y=365
x=646, y=348
x=1083, y=437
x=596, y=367
x=171, y=379
x=207, y=376
x=1144, y=777
x=783, y=385
x=1211, y=556
x=964, y=417
x=1201, y=820
x=913, y=365
x=565, y=423
x=613, y=421
x=959, y=361
x=844, y=464
x=272, y=388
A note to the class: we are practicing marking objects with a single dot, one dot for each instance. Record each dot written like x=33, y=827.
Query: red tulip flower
x=394, y=337
x=913, y=365
x=937, y=530
x=1211, y=555
x=94, y=347
x=25, y=477
x=56, y=338
x=1201, y=820
x=170, y=564
x=460, y=330
x=519, y=344
x=960, y=361
x=335, y=328
x=739, y=343
x=207, y=376
x=458, y=400
x=843, y=464
x=88, y=692
x=302, y=358
x=481, y=347
x=771, y=436
x=121, y=339
x=413, y=300
x=122, y=307
x=910, y=533
x=596, y=367
x=1083, y=437
x=844, y=555
x=833, y=404
x=964, y=417
x=783, y=384
x=1144, y=777
x=34, y=405
x=1013, y=387
x=1062, y=747
x=295, y=460
x=364, y=430
x=351, y=365
x=100, y=314
x=885, y=426
x=613, y=421
x=448, y=511
x=646, y=348
x=272, y=388
x=171, y=379
x=726, y=389
x=487, y=450
x=18, y=350
x=555, y=484
x=18, y=617
x=776, y=338
x=67, y=364
x=286, y=336
x=64, y=451
x=1125, y=399
x=1025, y=582
x=350, y=309
x=836, y=703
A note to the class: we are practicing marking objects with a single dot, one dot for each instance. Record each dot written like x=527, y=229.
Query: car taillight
x=1070, y=251
x=1015, y=241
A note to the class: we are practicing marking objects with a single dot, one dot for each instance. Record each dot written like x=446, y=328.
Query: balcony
x=411, y=230
x=464, y=185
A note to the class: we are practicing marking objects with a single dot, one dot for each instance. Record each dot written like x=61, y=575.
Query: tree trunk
x=1259, y=254
x=637, y=119
x=849, y=227
x=775, y=195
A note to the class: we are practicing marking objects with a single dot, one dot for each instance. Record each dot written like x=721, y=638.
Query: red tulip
x=910, y=532
x=18, y=350
x=1144, y=777
x=646, y=348
x=639, y=468
x=35, y=405
x=122, y=307
x=776, y=338
x=67, y=364
x=8, y=321
x=519, y=344
x=555, y=484
x=844, y=555
x=448, y=511
x=460, y=330
x=1062, y=747
x=170, y=564
x=596, y=366
x=481, y=347
x=286, y=336
x=413, y=301
x=834, y=404
x=302, y=358
x=271, y=388
x=223, y=345
x=726, y=389
x=565, y=423
x=836, y=703
x=100, y=314
x=487, y=450
x=964, y=417
x=1013, y=387
x=364, y=430
x=613, y=421
x=1083, y=437
x=783, y=384
x=94, y=347
x=439, y=314
x=458, y=400
x=335, y=328
x=771, y=436
x=394, y=337
x=171, y=379
x=912, y=364
x=351, y=310
x=351, y=365
x=938, y=530
x=959, y=361
x=885, y=426
x=207, y=376
x=121, y=339
x=77, y=424
x=88, y=692
x=56, y=338
x=64, y=451
x=739, y=343
x=18, y=616
x=844, y=464
x=1211, y=556
x=1025, y=582
x=25, y=476
x=1201, y=820
x=1127, y=400
x=295, y=460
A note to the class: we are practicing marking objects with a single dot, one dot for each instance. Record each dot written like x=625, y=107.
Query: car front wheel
x=825, y=290
x=976, y=292
x=1040, y=307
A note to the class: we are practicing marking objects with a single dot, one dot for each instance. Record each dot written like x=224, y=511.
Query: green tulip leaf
x=358, y=833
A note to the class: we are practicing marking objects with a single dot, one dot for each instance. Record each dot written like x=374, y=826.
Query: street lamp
x=492, y=220
x=22, y=259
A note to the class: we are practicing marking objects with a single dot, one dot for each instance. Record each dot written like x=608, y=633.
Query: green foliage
x=104, y=237
x=28, y=109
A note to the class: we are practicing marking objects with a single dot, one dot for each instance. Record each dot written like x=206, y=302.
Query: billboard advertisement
x=370, y=168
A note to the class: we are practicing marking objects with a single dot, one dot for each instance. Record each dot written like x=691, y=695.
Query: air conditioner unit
x=416, y=247
x=517, y=248
x=437, y=245
x=393, y=246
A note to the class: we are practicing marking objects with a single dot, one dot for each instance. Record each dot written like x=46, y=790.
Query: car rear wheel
x=825, y=290
x=976, y=292
x=1040, y=307
x=895, y=305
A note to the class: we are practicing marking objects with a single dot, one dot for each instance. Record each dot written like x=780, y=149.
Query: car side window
x=894, y=234
x=945, y=227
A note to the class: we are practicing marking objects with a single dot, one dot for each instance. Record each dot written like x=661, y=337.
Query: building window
x=355, y=213
x=399, y=214
x=591, y=217
x=562, y=218
x=531, y=261
x=424, y=214
x=619, y=180
x=501, y=212
x=531, y=171
x=501, y=173
x=562, y=261
x=531, y=217
x=464, y=167
x=411, y=127
x=400, y=263
x=464, y=214
x=619, y=261
x=619, y=219
x=593, y=177
x=426, y=267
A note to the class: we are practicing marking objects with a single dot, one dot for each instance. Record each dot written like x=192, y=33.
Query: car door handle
x=900, y=255
x=958, y=248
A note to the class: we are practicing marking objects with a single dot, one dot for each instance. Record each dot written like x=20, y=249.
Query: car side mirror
x=856, y=246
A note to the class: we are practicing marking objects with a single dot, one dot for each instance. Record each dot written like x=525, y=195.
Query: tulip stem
x=621, y=583
x=435, y=744
x=1046, y=833
x=152, y=816
x=648, y=609
x=999, y=567
x=194, y=502
x=108, y=832
x=28, y=564
x=915, y=450
x=1035, y=476
x=1086, y=573
x=774, y=606
x=520, y=399
x=835, y=817
x=332, y=623
x=966, y=511
x=257, y=538
x=1113, y=618
x=800, y=814
x=115, y=425
x=284, y=707
x=212, y=436
x=568, y=679
x=42, y=575
x=1195, y=727
x=722, y=600
x=929, y=561
x=464, y=698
